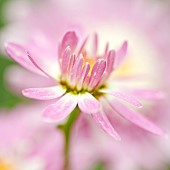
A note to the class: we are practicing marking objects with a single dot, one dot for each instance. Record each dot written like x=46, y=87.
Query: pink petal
x=106, y=50
x=110, y=61
x=70, y=39
x=105, y=124
x=19, y=54
x=84, y=73
x=149, y=94
x=87, y=103
x=15, y=74
x=136, y=118
x=97, y=72
x=22, y=56
x=110, y=58
x=77, y=68
x=86, y=82
x=120, y=55
x=37, y=66
x=71, y=63
x=45, y=93
x=65, y=59
x=126, y=97
x=82, y=46
x=61, y=109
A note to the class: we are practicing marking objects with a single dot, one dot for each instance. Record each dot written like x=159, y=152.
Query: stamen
x=95, y=70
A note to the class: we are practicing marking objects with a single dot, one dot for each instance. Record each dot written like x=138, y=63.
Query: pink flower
x=27, y=143
x=83, y=81
x=21, y=135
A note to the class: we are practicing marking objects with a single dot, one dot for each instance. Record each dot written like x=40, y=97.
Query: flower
x=28, y=143
x=83, y=81
x=33, y=144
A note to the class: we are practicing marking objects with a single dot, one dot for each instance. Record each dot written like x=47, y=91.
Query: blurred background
x=145, y=24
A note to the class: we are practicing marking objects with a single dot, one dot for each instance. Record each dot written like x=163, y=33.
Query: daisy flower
x=81, y=79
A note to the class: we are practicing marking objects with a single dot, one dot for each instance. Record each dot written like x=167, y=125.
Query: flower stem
x=66, y=129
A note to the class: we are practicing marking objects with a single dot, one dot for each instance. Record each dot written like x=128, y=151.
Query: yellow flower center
x=88, y=59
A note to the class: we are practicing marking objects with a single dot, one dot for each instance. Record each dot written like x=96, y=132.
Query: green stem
x=66, y=129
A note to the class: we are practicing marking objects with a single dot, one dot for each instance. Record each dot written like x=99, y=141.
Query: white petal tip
x=6, y=45
x=117, y=138
x=24, y=93
x=140, y=106
x=49, y=120
x=115, y=135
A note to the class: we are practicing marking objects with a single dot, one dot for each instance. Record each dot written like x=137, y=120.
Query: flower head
x=83, y=81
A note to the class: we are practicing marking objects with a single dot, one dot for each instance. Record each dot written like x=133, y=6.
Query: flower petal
x=106, y=50
x=82, y=46
x=65, y=59
x=60, y=110
x=70, y=39
x=148, y=94
x=37, y=66
x=19, y=54
x=101, y=119
x=120, y=55
x=22, y=56
x=79, y=69
x=84, y=73
x=71, y=64
x=87, y=103
x=76, y=70
x=136, y=118
x=110, y=61
x=110, y=57
x=96, y=74
x=45, y=93
x=126, y=97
